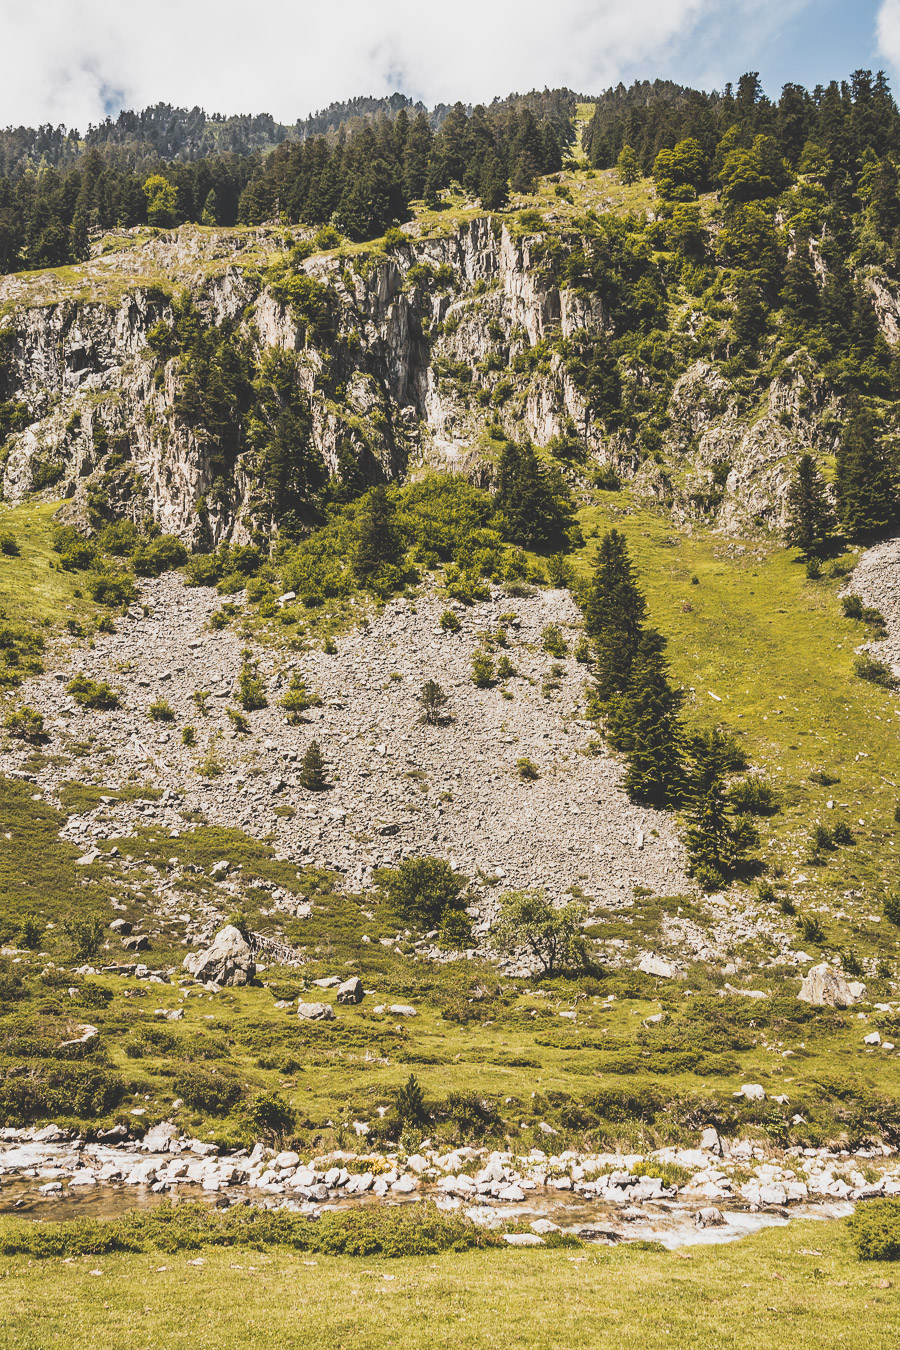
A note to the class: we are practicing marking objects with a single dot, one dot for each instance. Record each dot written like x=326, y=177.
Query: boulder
x=351, y=991
x=751, y=1092
x=709, y=1217
x=710, y=1141
x=228, y=961
x=402, y=1010
x=315, y=1012
x=655, y=965
x=824, y=987
x=121, y=926
x=136, y=942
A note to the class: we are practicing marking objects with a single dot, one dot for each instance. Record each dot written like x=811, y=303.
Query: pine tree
x=810, y=517
x=533, y=502
x=613, y=616
x=628, y=166
x=378, y=543
x=864, y=481
x=493, y=186
x=210, y=214
x=643, y=723
x=713, y=754
x=312, y=770
x=717, y=840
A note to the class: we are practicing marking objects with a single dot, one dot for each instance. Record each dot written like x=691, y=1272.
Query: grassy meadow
x=788, y=1287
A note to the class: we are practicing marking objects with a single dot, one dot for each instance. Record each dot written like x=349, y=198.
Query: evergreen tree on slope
x=810, y=517
x=865, y=481
x=613, y=616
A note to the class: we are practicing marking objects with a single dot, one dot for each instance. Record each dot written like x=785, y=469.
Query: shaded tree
x=810, y=518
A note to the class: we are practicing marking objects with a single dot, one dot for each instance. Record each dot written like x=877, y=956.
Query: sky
x=77, y=61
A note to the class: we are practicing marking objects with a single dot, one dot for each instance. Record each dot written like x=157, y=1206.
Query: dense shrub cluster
x=407, y=1230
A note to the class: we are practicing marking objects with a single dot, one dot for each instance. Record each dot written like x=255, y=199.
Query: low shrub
x=553, y=641
x=208, y=1089
x=112, y=589
x=25, y=724
x=88, y=693
x=422, y=891
x=875, y=1230
x=161, y=711
x=404, y=1230
x=753, y=797
x=81, y=1091
x=876, y=672
x=482, y=670
x=159, y=555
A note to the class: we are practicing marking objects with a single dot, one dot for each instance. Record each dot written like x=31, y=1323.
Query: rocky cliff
x=428, y=341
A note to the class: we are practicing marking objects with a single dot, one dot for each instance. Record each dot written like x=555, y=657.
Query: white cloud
x=888, y=31
x=71, y=60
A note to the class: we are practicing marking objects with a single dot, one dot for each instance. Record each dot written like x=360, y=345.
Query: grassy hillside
x=792, y=1286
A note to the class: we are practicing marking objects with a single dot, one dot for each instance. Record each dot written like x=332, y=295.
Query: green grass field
x=795, y=1288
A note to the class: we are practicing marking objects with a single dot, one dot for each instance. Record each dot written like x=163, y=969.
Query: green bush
x=161, y=710
x=212, y=1090
x=159, y=555
x=455, y=932
x=88, y=693
x=297, y=698
x=753, y=797
x=391, y=1231
x=270, y=1115
x=75, y=552
x=892, y=909
x=875, y=1230
x=482, y=669
x=553, y=641
x=69, y=1091
x=876, y=672
x=251, y=689
x=450, y=622
x=85, y=935
x=527, y=769
x=8, y=544
x=112, y=589
x=422, y=891
x=25, y=724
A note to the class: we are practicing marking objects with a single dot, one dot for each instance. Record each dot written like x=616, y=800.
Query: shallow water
x=669, y=1222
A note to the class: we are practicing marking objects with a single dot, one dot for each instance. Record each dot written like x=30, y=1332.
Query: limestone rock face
x=824, y=987
x=228, y=961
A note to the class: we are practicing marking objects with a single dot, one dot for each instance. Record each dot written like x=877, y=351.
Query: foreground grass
x=796, y=1286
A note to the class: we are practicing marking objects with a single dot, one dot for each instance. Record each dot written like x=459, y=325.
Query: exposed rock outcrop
x=824, y=987
x=228, y=961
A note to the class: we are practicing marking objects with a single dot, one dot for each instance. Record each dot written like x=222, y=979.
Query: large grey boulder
x=351, y=991
x=228, y=961
x=315, y=1012
x=824, y=987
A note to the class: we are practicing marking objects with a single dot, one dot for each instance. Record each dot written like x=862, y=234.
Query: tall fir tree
x=614, y=613
x=810, y=517
x=533, y=502
x=378, y=542
x=865, y=479
x=643, y=723
x=717, y=839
